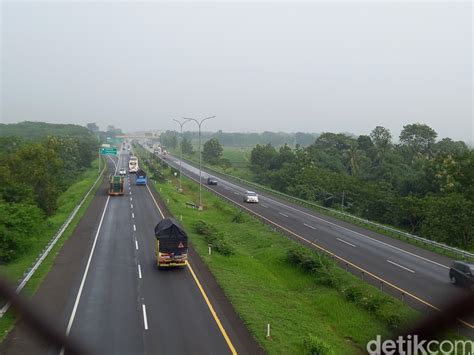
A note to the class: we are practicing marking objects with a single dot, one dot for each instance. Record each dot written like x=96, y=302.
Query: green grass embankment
x=66, y=203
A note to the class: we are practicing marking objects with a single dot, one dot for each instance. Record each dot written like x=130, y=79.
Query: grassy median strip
x=252, y=263
x=66, y=203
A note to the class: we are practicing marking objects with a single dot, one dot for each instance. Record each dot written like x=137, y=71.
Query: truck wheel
x=453, y=279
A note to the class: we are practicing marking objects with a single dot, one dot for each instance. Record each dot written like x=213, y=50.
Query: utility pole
x=199, y=123
x=181, y=124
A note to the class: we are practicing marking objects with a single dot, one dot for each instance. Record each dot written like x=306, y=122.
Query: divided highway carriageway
x=125, y=305
x=406, y=271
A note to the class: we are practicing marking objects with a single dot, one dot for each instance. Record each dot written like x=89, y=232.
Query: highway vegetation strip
x=243, y=172
x=266, y=289
x=66, y=203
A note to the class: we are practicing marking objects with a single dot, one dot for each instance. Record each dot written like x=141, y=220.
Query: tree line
x=421, y=185
x=239, y=139
x=36, y=168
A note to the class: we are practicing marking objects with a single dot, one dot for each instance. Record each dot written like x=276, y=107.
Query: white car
x=122, y=172
x=250, y=197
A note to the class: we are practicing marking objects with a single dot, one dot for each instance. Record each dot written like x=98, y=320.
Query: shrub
x=239, y=218
x=213, y=237
x=374, y=302
x=203, y=228
x=353, y=294
x=390, y=314
x=312, y=345
x=220, y=245
x=308, y=260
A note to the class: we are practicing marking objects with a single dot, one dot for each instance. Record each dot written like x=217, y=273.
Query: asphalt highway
x=124, y=304
x=420, y=275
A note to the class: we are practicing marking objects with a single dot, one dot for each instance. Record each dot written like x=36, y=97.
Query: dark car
x=461, y=273
x=211, y=180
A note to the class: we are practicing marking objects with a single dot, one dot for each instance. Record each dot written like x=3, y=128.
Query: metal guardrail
x=47, y=249
x=463, y=253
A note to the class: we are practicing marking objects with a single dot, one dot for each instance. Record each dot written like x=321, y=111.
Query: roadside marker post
x=268, y=330
x=209, y=245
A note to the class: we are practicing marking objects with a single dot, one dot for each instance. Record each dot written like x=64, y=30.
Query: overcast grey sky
x=277, y=66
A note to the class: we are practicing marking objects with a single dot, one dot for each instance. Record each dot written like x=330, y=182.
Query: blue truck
x=140, y=177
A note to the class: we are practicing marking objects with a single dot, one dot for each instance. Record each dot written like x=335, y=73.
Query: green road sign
x=108, y=151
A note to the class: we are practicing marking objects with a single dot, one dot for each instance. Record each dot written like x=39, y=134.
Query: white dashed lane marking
x=346, y=242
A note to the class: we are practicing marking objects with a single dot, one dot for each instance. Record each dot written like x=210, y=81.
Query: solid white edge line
x=139, y=271
x=145, y=320
x=79, y=293
x=401, y=266
x=346, y=242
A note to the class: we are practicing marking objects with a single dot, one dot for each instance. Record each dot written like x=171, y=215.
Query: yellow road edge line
x=201, y=289
x=214, y=314
x=334, y=255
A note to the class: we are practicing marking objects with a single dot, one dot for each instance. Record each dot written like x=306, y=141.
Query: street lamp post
x=199, y=123
x=181, y=124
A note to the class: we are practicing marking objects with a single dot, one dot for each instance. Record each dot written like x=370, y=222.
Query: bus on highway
x=133, y=165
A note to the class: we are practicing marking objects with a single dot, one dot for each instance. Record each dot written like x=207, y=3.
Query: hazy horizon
x=265, y=66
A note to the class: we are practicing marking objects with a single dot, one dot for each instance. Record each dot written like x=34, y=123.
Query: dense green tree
x=419, y=140
x=36, y=169
x=449, y=219
x=186, y=146
x=382, y=138
x=447, y=146
x=411, y=212
x=212, y=151
x=353, y=157
x=169, y=139
x=285, y=155
x=19, y=225
x=262, y=156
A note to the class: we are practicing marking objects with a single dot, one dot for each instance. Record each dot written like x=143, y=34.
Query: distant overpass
x=154, y=135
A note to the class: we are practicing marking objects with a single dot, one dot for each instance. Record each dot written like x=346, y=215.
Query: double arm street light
x=199, y=123
x=181, y=124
